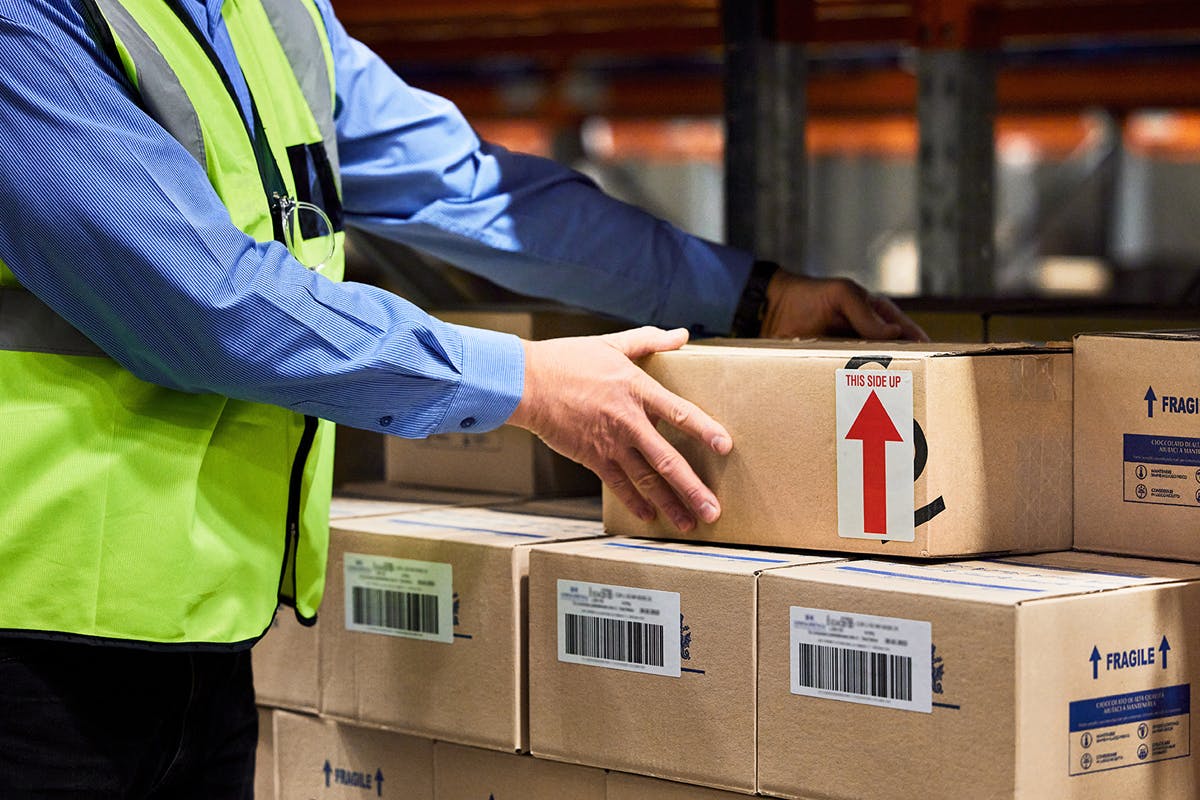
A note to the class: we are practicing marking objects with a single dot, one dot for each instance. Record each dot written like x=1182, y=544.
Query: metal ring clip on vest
x=304, y=223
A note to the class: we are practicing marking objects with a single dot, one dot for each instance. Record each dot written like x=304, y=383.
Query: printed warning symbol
x=875, y=454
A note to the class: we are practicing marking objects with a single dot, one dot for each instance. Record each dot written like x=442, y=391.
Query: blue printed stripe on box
x=1121, y=709
x=1178, y=451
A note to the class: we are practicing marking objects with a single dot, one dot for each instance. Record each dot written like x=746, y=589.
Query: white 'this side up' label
x=875, y=454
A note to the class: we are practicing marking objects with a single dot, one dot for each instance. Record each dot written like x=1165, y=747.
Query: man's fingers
x=653, y=487
x=666, y=462
x=854, y=304
x=661, y=404
x=617, y=479
x=640, y=342
x=892, y=313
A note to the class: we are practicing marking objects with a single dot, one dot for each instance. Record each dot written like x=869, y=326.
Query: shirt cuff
x=492, y=382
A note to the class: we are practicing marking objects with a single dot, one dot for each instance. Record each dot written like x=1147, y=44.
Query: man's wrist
x=752, y=306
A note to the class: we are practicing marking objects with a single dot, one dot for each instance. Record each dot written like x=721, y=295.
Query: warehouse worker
x=175, y=180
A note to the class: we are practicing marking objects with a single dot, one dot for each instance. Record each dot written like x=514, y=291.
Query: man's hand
x=803, y=307
x=587, y=399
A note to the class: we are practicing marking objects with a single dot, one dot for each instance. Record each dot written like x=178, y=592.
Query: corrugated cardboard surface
x=287, y=664
x=698, y=727
x=1012, y=649
x=317, y=758
x=622, y=786
x=585, y=507
x=471, y=690
x=1114, y=375
x=507, y=459
x=264, y=756
x=996, y=421
x=466, y=773
x=416, y=498
x=287, y=671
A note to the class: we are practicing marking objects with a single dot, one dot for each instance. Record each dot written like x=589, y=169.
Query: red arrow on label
x=874, y=429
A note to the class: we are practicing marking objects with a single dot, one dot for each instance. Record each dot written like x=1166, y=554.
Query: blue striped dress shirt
x=109, y=221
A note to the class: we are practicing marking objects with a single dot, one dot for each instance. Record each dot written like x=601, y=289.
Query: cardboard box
x=622, y=786
x=466, y=773
x=642, y=657
x=425, y=622
x=507, y=459
x=319, y=759
x=1137, y=444
x=287, y=670
x=1063, y=327
x=917, y=450
x=264, y=756
x=586, y=507
x=353, y=499
x=1063, y=675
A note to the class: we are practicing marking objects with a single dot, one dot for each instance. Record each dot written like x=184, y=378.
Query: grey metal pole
x=956, y=105
x=765, y=157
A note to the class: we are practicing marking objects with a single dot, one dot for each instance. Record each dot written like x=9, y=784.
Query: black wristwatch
x=752, y=307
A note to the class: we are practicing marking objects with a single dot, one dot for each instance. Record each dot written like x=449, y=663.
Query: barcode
x=614, y=640
x=399, y=611
x=840, y=669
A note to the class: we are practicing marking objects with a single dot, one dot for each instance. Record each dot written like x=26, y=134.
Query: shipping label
x=619, y=627
x=400, y=597
x=1164, y=470
x=875, y=454
x=861, y=658
x=1125, y=730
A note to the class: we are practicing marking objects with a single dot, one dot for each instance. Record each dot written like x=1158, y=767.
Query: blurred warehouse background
x=1089, y=112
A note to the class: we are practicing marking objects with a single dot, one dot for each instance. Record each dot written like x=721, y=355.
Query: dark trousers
x=87, y=721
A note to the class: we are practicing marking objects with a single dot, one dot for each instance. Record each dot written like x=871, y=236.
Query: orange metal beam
x=1117, y=87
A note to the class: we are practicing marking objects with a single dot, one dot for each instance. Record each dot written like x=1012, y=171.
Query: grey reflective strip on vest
x=301, y=44
x=163, y=95
x=29, y=325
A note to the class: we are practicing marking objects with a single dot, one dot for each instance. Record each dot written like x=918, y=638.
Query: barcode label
x=614, y=640
x=399, y=611
x=861, y=658
x=854, y=671
x=619, y=627
x=399, y=597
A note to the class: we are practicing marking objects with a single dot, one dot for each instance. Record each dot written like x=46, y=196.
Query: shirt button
x=385, y=421
x=469, y=422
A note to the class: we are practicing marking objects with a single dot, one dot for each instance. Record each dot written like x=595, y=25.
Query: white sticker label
x=859, y=658
x=619, y=627
x=399, y=597
x=875, y=454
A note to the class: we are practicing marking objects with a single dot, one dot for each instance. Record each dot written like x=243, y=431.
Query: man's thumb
x=640, y=342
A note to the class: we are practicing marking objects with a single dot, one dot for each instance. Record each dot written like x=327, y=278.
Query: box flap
x=849, y=348
x=475, y=525
x=1004, y=581
x=1183, y=335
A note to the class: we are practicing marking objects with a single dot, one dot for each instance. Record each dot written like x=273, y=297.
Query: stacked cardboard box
x=1027, y=677
x=319, y=758
x=424, y=627
x=1137, y=444
x=287, y=659
x=643, y=657
x=888, y=449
